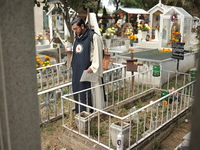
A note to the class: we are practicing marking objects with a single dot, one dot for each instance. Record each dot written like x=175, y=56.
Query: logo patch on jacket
x=79, y=48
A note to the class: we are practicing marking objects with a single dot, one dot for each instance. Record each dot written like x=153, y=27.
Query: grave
x=151, y=57
x=131, y=110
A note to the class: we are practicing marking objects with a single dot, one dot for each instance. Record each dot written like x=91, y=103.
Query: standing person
x=86, y=55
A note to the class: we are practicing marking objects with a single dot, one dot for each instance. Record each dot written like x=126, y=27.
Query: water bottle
x=120, y=141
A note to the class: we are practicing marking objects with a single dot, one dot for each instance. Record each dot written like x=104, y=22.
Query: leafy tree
x=116, y=3
x=66, y=5
x=104, y=19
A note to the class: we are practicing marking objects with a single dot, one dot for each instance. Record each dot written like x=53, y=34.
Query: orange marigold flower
x=169, y=50
x=177, y=33
x=47, y=57
x=165, y=102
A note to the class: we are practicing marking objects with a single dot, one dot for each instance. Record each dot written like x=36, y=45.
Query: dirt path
x=175, y=138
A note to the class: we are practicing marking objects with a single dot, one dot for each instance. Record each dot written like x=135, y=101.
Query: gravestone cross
x=132, y=65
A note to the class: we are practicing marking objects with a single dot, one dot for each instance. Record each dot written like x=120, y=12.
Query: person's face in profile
x=78, y=30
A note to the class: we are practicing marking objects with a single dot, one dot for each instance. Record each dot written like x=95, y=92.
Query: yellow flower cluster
x=109, y=33
x=42, y=64
x=129, y=31
x=143, y=26
x=132, y=38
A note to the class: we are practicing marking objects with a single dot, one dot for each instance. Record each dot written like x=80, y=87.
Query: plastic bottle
x=120, y=141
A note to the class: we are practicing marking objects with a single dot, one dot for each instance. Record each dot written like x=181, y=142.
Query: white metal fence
x=55, y=81
x=135, y=107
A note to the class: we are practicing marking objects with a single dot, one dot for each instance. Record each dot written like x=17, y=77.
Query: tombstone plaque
x=178, y=50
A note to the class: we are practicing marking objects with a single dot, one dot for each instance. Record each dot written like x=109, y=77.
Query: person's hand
x=68, y=50
x=89, y=70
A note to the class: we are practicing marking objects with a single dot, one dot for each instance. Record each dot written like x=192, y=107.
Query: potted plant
x=108, y=35
x=132, y=38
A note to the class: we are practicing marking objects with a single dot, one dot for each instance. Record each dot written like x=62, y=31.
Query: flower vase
x=39, y=43
x=108, y=42
x=144, y=34
x=156, y=34
x=127, y=43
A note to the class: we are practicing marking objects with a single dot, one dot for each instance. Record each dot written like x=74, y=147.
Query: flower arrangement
x=37, y=61
x=143, y=26
x=129, y=31
x=42, y=64
x=39, y=37
x=157, y=27
x=116, y=25
x=165, y=50
x=174, y=17
x=193, y=30
x=132, y=38
x=109, y=33
x=175, y=37
x=117, y=28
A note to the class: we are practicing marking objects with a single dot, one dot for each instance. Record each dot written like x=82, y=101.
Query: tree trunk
x=67, y=19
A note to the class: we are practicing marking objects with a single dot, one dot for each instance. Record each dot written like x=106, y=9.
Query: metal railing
x=58, y=74
x=60, y=84
x=52, y=76
x=135, y=107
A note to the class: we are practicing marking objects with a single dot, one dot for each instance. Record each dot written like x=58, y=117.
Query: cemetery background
x=54, y=145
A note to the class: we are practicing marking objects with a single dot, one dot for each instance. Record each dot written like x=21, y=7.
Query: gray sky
x=109, y=7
